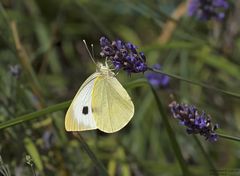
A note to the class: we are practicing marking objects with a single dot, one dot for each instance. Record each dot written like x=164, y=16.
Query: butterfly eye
x=85, y=110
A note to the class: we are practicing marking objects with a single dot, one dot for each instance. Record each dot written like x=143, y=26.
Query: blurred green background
x=44, y=39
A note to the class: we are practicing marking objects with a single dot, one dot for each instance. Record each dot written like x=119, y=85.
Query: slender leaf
x=171, y=134
x=99, y=165
x=207, y=86
x=33, y=152
x=34, y=115
x=207, y=157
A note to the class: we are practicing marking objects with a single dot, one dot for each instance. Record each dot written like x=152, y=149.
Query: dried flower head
x=196, y=123
x=157, y=80
x=123, y=55
x=207, y=9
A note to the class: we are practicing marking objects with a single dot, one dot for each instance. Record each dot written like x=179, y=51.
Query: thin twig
x=224, y=136
x=208, y=159
x=34, y=115
x=171, y=134
x=224, y=92
x=99, y=165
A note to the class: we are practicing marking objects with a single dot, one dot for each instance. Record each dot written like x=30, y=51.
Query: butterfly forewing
x=79, y=116
x=111, y=104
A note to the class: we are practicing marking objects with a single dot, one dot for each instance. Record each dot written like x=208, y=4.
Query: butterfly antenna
x=92, y=51
x=91, y=56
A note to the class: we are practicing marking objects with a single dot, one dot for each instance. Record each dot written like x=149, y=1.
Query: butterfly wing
x=79, y=116
x=112, y=107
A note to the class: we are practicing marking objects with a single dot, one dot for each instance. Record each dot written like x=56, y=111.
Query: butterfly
x=100, y=103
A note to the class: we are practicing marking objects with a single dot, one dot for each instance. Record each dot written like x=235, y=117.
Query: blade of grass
x=2, y=36
x=224, y=92
x=32, y=150
x=64, y=105
x=208, y=159
x=99, y=165
x=184, y=88
x=44, y=37
x=34, y=115
x=136, y=83
x=218, y=62
x=94, y=18
x=172, y=137
x=56, y=107
x=25, y=62
x=4, y=169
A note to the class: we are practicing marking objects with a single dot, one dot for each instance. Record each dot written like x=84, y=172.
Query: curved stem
x=224, y=92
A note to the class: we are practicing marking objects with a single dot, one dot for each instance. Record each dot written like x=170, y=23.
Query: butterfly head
x=104, y=69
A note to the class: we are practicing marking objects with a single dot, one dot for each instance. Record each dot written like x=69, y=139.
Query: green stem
x=57, y=107
x=33, y=171
x=171, y=134
x=92, y=156
x=2, y=36
x=209, y=161
x=34, y=115
x=236, y=95
x=224, y=136
x=4, y=14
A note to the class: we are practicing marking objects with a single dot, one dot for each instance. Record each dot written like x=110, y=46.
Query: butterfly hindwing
x=111, y=104
x=79, y=116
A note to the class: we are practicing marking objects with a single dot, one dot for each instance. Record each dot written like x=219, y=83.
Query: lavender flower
x=196, y=123
x=123, y=55
x=207, y=9
x=156, y=79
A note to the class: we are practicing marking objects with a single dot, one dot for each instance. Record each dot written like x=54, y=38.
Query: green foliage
x=45, y=38
x=33, y=151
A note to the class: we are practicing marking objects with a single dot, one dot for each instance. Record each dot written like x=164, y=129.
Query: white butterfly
x=100, y=103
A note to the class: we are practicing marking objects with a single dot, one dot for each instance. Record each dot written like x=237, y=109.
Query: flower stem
x=57, y=107
x=34, y=115
x=99, y=165
x=171, y=134
x=208, y=159
x=236, y=95
x=224, y=136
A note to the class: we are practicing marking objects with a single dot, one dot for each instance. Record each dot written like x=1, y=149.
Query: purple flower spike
x=123, y=55
x=157, y=80
x=195, y=122
x=207, y=9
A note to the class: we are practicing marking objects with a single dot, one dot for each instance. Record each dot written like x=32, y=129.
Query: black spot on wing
x=85, y=110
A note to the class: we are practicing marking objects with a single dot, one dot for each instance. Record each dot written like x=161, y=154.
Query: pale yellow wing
x=79, y=116
x=112, y=107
